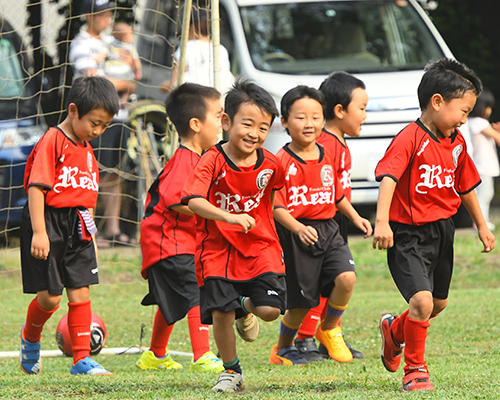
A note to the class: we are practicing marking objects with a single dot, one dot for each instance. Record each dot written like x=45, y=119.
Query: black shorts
x=422, y=258
x=111, y=147
x=311, y=270
x=223, y=295
x=172, y=285
x=343, y=223
x=71, y=263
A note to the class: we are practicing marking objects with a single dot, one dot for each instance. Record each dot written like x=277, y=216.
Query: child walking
x=57, y=246
x=168, y=232
x=485, y=139
x=239, y=261
x=425, y=174
x=345, y=113
x=317, y=258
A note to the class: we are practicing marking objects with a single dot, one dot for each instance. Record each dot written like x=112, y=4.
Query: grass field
x=462, y=348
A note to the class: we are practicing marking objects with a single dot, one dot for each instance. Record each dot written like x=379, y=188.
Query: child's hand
x=308, y=235
x=365, y=226
x=487, y=238
x=246, y=221
x=383, y=236
x=40, y=246
x=100, y=57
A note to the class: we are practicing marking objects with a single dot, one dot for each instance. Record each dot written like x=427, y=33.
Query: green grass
x=462, y=346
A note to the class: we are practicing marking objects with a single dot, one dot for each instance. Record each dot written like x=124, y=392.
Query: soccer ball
x=98, y=334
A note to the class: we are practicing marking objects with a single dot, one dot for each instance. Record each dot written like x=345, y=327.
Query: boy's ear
x=284, y=124
x=436, y=101
x=225, y=122
x=73, y=111
x=195, y=125
x=338, y=111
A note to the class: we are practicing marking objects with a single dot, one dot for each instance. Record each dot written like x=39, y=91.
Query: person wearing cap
x=87, y=55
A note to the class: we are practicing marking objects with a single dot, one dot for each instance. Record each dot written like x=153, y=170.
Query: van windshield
x=354, y=36
x=11, y=75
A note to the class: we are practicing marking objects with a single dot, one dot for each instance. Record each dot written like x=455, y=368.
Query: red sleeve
x=339, y=189
x=171, y=188
x=198, y=183
x=280, y=177
x=466, y=177
x=44, y=159
x=397, y=157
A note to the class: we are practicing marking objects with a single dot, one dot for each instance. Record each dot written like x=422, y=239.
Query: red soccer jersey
x=165, y=232
x=223, y=250
x=312, y=188
x=341, y=158
x=430, y=173
x=67, y=171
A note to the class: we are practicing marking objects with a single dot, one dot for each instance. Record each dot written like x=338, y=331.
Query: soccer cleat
x=248, y=327
x=355, y=353
x=391, y=350
x=208, y=362
x=287, y=356
x=334, y=342
x=29, y=356
x=417, y=380
x=307, y=349
x=229, y=381
x=149, y=361
x=87, y=366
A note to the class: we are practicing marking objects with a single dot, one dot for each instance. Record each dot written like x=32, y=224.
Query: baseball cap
x=94, y=6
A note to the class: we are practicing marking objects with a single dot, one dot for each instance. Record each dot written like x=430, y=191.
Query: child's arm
x=205, y=209
x=485, y=236
x=493, y=131
x=183, y=210
x=383, y=232
x=346, y=208
x=307, y=234
x=40, y=244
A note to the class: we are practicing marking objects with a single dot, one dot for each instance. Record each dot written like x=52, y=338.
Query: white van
x=280, y=44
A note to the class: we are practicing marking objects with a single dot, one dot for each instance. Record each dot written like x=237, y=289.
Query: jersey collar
x=321, y=151
x=232, y=165
x=335, y=136
x=434, y=137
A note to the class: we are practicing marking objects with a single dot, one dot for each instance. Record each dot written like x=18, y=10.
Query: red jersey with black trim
x=312, y=187
x=66, y=170
x=341, y=158
x=223, y=250
x=431, y=174
x=165, y=232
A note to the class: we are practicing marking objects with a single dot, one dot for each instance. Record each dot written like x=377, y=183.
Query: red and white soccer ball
x=98, y=334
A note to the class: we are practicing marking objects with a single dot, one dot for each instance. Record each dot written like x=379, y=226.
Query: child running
x=317, y=258
x=57, y=246
x=168, y=232
x=425, y=174
x=345, y=113
x=239, y=261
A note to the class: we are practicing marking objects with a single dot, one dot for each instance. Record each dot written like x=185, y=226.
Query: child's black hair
x=93, y=92
x=449, y=78
x=484, y=100
x=188, y=101
x=337, y=89
x=245, y=91
x=297, y=93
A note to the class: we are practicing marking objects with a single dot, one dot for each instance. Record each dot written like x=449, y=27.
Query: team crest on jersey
x=327, y=175
x=263, y=178
x=89, y=161
x=456, y=153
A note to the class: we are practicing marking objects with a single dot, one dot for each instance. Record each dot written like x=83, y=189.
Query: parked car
x=21, y=123
x=385, y=43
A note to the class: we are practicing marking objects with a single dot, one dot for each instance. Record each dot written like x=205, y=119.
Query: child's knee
x=421, y=305
x=439, y=305
x=345, y=281
x=222, y=317
x=48, y=301
x=267, y=313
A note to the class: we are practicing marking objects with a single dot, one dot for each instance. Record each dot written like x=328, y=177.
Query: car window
x=11, y=76
x=355, y=36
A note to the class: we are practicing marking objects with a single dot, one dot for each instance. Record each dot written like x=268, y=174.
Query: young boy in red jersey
x=239, y=261
x=345, y=113
x=168, y=232
x=57, y=248
x=425, y=174
x=317, y=258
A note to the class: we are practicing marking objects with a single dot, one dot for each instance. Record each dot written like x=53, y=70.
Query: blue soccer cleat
x=87, y=366
x=29, y=356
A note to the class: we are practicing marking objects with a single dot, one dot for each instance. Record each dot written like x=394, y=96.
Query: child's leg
x=79, y=321
x=39, y=311
x=225, y=339
x=310, y=322
x=290, y=323
x=266, y=313
x=198, y=333
x=338, y=300
x=160, y=336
